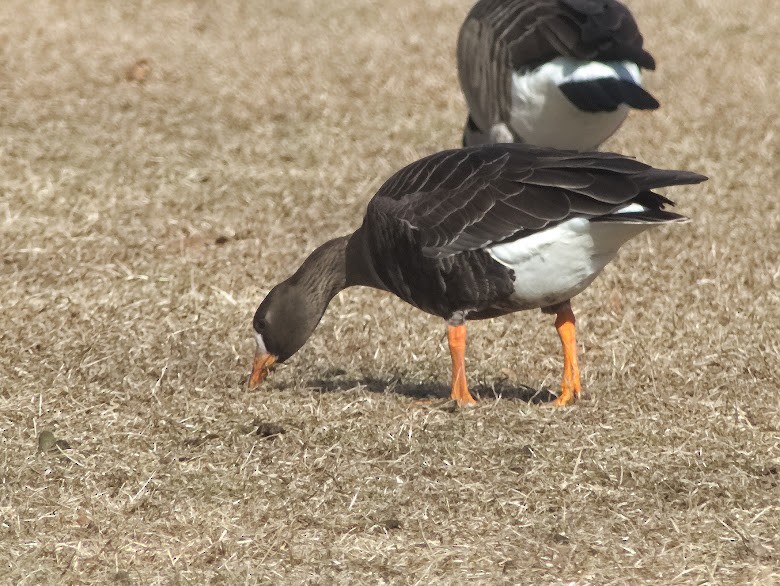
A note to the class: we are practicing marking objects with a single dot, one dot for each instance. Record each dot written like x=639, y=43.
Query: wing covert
x=466, y=199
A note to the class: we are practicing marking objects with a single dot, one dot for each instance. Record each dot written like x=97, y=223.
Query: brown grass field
x=143, y=218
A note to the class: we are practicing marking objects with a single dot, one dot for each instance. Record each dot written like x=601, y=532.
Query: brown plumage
x=438, y=234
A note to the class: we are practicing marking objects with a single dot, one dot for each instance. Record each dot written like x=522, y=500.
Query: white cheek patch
x=260, y=343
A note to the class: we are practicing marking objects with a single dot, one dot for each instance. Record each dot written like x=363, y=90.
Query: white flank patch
x=542, y=115
x=554, y=265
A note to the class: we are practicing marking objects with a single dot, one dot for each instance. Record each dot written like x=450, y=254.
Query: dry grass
x=143, y=217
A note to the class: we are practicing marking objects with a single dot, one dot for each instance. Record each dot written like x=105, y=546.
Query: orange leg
x=570, y=384
x=456, y=336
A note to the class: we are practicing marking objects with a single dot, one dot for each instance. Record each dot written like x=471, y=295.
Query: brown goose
x=557, y=73
x=475, y=233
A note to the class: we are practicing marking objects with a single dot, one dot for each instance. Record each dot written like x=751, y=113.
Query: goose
x=556, y=73
x=475, y=233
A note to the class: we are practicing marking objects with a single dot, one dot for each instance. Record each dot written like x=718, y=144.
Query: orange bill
x=261, y=366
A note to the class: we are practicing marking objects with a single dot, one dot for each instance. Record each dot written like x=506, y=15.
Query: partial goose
x=475, y=233
x=556, y=73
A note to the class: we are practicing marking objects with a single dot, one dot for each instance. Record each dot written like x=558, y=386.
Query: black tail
x=649, y=216
x=652, y=178
x=606, y=94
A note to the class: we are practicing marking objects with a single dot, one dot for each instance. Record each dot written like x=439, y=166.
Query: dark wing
x=500, y=36
x=469, y=198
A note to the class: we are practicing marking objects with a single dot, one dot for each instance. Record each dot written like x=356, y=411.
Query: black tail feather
x=606, y=94
x=653, y=178
x=644, y=217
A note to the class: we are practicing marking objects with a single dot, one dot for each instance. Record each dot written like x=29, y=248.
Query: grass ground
x=141, y=223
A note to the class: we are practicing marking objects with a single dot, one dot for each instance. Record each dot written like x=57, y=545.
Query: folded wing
x=468, y=199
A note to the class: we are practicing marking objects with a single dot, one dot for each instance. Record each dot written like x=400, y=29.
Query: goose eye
x=260, y=324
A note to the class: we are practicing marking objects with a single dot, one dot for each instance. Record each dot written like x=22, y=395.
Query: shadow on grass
x=434, y=391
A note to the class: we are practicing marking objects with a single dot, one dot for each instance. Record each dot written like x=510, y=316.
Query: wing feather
x=467, y=199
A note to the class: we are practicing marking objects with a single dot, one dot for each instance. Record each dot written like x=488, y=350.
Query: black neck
x=360, y=268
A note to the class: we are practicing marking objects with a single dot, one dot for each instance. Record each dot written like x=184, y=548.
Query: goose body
x=475, y=233
x=557, y=73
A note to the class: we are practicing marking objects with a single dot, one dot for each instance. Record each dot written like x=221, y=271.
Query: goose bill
x=261, y=366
